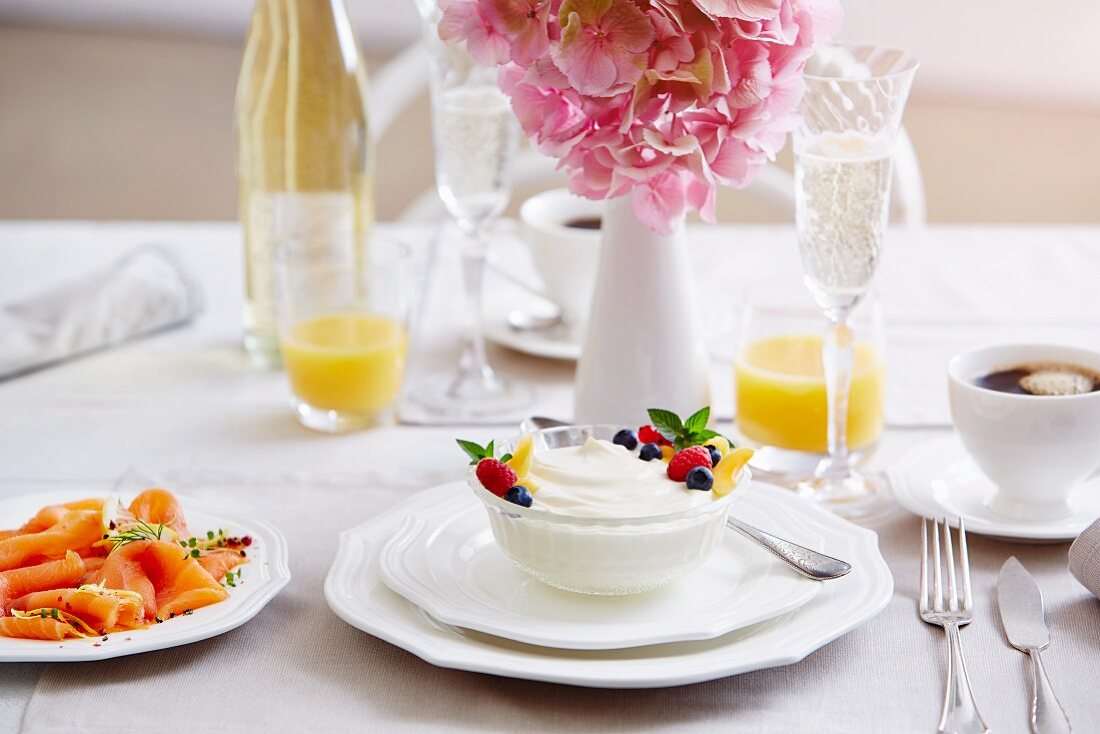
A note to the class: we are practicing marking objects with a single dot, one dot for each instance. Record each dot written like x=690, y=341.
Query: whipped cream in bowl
x=603, y=521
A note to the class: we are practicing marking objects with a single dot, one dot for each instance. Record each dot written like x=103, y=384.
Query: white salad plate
x=356, y=592
x=939, y=479
x=264, y=576
x=446, y=562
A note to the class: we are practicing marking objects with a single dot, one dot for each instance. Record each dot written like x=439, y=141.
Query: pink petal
x=743, y=9
x=659, y=203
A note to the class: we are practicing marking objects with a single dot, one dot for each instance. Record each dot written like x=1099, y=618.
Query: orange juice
x=347, y=362
x=780, y=385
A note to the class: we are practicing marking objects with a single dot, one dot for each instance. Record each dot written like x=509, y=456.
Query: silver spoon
x=809, y=563
x=525, y=321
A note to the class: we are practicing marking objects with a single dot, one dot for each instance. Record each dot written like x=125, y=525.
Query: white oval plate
x=939, y=479
x=265, y=574
x=446, y=561
x=356, y=593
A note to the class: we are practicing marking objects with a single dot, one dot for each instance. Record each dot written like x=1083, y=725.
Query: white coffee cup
x=1035, y=449
x=565, y=258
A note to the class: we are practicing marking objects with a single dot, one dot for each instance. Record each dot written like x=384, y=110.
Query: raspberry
x=649, y=434
x=686, y=460
x=495, y=476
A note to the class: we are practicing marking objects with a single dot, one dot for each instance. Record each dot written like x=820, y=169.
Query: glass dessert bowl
x=600, y=524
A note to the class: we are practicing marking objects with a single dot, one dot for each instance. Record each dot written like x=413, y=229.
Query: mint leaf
x=706, y=435
x=667, y=423
x=506, y=458
x=698, y=420
x=475, y=451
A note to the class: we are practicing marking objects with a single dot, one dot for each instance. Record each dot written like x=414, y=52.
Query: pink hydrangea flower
x=602, y=44
x=664, y=99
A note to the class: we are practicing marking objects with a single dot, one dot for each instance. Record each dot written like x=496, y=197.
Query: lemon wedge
x=523, y=456
x=725, y=474
x=719, y=442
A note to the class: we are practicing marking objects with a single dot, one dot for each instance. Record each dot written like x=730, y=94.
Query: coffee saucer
x=939, y=479
x=556, y=342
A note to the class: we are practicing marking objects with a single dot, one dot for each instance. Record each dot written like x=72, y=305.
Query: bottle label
x=319, y=225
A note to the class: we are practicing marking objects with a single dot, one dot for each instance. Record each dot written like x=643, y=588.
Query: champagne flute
x=851, y=115
x=475, y=135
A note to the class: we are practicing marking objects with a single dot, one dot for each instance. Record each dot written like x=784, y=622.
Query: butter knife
x=1021, y=605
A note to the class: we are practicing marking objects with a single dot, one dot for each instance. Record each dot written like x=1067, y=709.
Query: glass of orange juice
x=343, y=331
x=779, y=379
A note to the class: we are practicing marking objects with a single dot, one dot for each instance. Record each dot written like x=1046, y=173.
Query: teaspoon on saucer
x=526, y=321
x=809, y=563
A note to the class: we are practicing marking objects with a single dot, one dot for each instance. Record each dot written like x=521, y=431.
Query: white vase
x=642, y=345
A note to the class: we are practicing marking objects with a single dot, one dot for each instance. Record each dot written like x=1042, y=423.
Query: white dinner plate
x=355, y=590
x=939, y=479
x=264, y=576
x=445, y=561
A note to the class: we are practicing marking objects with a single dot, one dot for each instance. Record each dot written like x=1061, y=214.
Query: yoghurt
x=602, y=479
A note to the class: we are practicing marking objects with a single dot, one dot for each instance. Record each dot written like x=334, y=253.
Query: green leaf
x=667, y=423
x=698, y=420
x=706, y=435
x=474, y=450
x=506, y=458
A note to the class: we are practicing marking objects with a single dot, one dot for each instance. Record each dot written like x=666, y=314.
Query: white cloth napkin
x=144, y=291
x=1084, y=558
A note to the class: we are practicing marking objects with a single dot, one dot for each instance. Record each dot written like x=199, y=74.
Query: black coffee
x=584, y=223
x=1047, y=379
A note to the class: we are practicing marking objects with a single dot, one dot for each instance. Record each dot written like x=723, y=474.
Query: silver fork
x=950, y=611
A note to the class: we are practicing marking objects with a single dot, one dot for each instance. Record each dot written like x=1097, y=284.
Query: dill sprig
x=139, y=530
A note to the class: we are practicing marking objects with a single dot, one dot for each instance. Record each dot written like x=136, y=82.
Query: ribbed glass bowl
x=609, y=556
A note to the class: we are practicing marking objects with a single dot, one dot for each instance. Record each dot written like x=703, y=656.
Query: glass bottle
x=305, y=160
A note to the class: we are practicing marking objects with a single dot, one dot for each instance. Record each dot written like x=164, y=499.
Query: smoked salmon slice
x=221, y=561
x=91, y=567
x=160, y=507
x=50, y=575
x=50, y=515
x=77, y=530
x=168, y=579
x=36, y=628
x=101, y=609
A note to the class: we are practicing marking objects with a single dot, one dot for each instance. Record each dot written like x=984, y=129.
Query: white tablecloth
x=187, y=404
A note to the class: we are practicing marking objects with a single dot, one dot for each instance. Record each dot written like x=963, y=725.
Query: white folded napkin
x=1084, y=558
x=144, y=291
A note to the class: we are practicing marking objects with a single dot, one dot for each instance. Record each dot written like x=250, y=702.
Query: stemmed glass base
x=471, y=393
x=854, y=496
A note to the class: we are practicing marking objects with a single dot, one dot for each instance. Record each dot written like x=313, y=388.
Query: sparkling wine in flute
x=475, y=138
x=843, y=200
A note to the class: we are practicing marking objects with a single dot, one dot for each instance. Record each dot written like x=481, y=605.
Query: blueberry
x=519, y=495
x=700, y=478
x=627, y=439
x=715, y=455
x=649, y=452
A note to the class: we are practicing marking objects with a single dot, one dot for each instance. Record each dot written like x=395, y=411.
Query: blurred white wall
x=123, y=108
